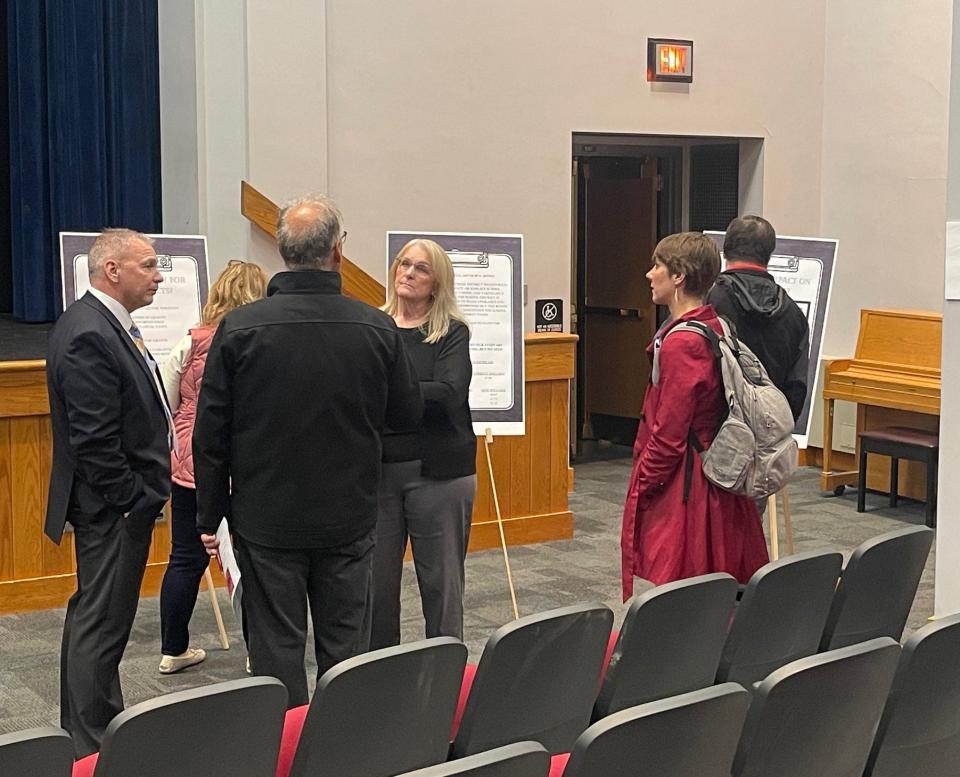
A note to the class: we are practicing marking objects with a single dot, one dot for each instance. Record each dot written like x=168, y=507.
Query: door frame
x=673, y=151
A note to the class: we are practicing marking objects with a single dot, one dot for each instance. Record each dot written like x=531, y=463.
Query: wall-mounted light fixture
x=669, y=60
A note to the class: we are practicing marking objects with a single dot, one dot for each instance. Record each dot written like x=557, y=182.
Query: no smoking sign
x=549, y=315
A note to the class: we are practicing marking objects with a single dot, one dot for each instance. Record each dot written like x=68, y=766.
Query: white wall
x=222, y=128
x=286, y=106
x=435, y=115
x=884, y=157
x=883, y=177
x=178, y=116
x=947, y=580
x=459, y=116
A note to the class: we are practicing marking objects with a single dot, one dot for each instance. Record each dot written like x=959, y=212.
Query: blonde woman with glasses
x=240, y=283
x=429, y=476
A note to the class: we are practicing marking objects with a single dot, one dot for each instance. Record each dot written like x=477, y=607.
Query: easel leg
x=787, y=520
x=774, y=529
x=827, y=438
x=212, y=590
x=487, y=441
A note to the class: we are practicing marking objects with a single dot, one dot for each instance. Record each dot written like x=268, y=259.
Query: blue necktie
x=152, y=366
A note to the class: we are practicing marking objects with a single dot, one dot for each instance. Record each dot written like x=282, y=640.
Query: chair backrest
x=780, y=617
x=691, y=735
x=669, y=643
x=230, y=729
x=383, y=712
x=919, y=733
x=816, y=717
x=537, y=680
x=877, y=587
x=36, y=752
x=521, y=759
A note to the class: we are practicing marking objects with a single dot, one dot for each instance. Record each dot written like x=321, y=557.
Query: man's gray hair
x=308, y=230
x=111, y=244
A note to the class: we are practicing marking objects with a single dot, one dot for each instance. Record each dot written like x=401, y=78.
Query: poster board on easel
x=182, y=261
x=488, y=282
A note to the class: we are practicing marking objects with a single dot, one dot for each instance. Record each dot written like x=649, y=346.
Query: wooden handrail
x=263, y=212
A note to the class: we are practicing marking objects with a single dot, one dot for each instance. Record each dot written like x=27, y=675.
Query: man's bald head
x=309, y=233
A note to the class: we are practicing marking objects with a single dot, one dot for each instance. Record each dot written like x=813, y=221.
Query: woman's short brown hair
x=693, y=255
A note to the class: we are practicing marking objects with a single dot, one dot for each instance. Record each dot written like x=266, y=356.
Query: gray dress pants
x=435, y=515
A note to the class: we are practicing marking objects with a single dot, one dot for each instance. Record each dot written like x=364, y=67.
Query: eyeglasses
x=343, y=237
x=420, y=268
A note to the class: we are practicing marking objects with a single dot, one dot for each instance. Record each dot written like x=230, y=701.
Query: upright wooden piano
x=894, y=378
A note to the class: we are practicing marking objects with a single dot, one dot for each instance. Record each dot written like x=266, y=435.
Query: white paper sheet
x=951, y=262
x=226, y=559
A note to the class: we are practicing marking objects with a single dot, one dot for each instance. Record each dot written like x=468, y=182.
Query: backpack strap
x=693, y=444
x=684, y=326
x=729, y=334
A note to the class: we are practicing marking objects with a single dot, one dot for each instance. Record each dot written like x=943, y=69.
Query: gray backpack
x=753, y=453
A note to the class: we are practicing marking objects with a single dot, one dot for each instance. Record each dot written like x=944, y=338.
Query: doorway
x=629, y=192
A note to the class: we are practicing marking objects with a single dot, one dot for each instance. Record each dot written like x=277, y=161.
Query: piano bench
x=901, y=442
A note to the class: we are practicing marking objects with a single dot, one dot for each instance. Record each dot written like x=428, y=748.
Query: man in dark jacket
x=110, y=474
x=296, y=392
x=765, y=317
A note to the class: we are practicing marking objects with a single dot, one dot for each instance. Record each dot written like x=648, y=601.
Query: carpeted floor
x=583, y=569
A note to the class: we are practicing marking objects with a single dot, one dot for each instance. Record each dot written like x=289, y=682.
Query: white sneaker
x=189, y=657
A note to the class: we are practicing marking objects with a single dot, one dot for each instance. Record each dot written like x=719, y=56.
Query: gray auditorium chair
x=521, y=759
x=691, y=735
x=36, y=752
x=816, y=717
x=877, y=588
x=383, y=712
x=669, y=643
x=919, y=733
x=537, y=680
x=230, y=729
x=781, y=616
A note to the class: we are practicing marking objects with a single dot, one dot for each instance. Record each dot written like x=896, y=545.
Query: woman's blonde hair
x=239, y=283
x=443, y=302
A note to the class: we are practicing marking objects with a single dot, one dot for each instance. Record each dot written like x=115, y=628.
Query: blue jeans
x=188, y=562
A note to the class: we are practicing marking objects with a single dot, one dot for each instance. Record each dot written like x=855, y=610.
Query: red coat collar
x=703, y=313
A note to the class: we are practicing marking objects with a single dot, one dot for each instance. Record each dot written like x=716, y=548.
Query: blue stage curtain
x=84, y=132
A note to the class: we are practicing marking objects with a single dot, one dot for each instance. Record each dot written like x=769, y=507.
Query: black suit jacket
x=110, y=435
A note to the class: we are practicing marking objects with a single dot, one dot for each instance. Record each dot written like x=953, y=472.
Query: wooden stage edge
x=532, y=471
x=42, y=593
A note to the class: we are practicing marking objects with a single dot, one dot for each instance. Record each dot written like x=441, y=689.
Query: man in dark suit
x=111, y=472
x=296, y=392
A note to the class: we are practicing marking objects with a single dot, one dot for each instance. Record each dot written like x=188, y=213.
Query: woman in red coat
x=667, y=535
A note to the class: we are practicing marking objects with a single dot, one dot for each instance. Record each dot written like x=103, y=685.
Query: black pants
x=181, y=581
x=279, y=583
x=111, y=557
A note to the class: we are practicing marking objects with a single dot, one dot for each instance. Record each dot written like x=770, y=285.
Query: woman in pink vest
x=239, y=283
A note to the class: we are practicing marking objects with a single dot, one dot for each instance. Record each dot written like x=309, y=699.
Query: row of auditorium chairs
x=392, y=711
x=867, y=709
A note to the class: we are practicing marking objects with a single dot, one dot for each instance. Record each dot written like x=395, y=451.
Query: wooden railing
x=263, y=212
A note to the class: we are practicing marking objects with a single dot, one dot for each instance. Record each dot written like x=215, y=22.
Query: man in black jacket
x=766, y=319
x=296, y=392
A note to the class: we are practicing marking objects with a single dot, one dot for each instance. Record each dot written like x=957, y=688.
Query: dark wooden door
x=617, y=318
